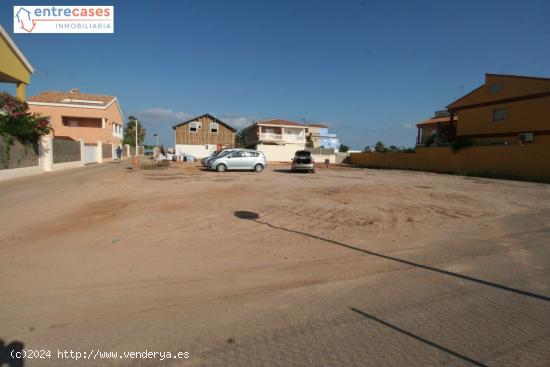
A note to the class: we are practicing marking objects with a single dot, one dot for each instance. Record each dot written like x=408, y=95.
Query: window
x=213, y=127
x=237, y=154
x=495, y=88
x=499, y=114
x=193, y=127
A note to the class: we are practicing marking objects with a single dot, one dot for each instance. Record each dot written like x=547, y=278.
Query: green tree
x=17, y=123
x=130, y=132
x=343, y=148
x=380, y=147
x=367, y=149
x=309, y=142
x=240, y=138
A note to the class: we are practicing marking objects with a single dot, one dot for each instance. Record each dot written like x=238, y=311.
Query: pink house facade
x=92, y=118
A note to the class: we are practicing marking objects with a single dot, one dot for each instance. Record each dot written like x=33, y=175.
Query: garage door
x=90, y=153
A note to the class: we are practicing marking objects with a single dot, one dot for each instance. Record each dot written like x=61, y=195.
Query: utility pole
x=136, y=128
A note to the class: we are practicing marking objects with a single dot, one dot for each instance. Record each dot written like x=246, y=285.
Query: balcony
x=271, y=137
x=282, y=138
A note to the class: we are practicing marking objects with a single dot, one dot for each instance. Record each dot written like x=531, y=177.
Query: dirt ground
x=346, y=266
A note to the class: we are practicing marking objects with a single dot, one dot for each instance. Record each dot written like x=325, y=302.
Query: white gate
x=90, y=153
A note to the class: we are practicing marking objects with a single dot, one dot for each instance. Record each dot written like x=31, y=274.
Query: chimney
x=74, y=91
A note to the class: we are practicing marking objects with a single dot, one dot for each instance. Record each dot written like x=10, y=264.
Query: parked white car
x=239, y=159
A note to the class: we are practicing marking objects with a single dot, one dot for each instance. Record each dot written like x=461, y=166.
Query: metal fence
x=321, y=151
x=65, y=150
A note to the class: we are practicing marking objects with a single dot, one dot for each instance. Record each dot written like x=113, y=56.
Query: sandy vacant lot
x=343, y=267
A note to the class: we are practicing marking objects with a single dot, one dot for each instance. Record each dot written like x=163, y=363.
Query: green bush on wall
x=16, y=122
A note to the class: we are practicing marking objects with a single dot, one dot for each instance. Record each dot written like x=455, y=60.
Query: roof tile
x=59, y=97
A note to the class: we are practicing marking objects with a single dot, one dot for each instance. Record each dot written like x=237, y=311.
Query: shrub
x=154, y=165
x=460, y=143
x=429, y=141
x=343, y=148
x=16, y=122
x=379, y=147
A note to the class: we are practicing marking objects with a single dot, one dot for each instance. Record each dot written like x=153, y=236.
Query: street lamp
x=156, y=136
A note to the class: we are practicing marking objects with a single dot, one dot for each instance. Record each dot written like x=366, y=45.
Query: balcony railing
x=271, y=136
x=289, y=138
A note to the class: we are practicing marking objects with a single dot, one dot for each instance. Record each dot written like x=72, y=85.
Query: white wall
x=67, y=165
x=197, y=151
x=279, y=153
x=6, y=174
x=320, y=158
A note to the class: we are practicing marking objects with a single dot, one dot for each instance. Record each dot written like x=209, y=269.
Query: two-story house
x=202, y=135
x=94, y=118
x=506, y=110
x=277, y=139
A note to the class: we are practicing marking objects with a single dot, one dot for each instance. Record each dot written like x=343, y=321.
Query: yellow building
x=14, y=66
x=506, y=110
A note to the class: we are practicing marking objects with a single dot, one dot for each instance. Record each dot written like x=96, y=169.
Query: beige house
x=277, y=139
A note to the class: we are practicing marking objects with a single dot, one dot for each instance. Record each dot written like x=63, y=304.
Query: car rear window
x=303, y=153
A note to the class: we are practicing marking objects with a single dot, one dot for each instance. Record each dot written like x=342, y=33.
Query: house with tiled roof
x=93, y=118
x=505, y=110
x=278, y=139
x=437, y=127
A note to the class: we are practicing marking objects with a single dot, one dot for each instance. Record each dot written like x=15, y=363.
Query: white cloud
x=162, y=115
x=237, y=122
x=408, y=126
x=154, y=116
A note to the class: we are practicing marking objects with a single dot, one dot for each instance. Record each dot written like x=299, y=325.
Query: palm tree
x=240, y=138
x=130, y=132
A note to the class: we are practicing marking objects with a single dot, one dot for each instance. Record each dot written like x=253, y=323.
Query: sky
x=369, y=69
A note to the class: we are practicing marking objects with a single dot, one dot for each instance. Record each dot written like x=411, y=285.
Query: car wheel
x=258, y=168
x=312, y=171
x=221, y=167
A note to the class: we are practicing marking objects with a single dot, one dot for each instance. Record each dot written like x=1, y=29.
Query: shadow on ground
x=255, y=217
x=289, y=171
x=416, y=337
